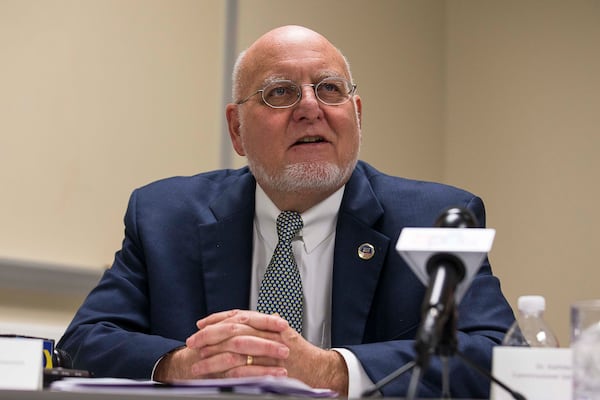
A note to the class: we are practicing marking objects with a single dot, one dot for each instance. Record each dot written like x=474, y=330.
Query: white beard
x=308, y=176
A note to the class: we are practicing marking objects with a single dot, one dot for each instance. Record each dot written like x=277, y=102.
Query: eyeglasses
x=332, y=91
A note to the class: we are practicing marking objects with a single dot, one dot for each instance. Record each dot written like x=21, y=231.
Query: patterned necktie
x=281, y=288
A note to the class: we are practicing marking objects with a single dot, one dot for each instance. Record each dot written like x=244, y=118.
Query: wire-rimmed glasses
x=332, y=91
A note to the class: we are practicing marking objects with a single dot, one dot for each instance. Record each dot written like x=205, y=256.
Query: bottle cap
x=531, y=304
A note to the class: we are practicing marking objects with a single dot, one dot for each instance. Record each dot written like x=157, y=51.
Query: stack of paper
x=248, y=385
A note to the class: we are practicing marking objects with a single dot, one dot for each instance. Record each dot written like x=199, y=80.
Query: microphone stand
x=446, y=348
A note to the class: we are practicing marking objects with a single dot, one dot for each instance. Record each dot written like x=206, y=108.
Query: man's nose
x=308, y=92
x=308, y=107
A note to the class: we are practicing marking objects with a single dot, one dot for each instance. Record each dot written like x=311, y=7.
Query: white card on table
x=21, y=363
x=535, y=372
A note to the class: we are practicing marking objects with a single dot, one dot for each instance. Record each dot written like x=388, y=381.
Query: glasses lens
x=334, y=90
x=281, y=93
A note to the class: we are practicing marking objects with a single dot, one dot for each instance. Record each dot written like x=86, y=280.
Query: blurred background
x=98, y=97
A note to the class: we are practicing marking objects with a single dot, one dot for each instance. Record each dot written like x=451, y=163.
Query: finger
x=225, y=330
x=234, y=365
x=250, y=345
x=266, y=362
x=215, y=318
x=218, y=364
x=255, y=319
x=255, y=370
x=217, y=333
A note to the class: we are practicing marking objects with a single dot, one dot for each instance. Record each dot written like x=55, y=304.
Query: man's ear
x=233, y=124
x=358, y=103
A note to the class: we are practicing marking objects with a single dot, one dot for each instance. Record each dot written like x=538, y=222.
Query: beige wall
x=101, y=96
x=523, y=130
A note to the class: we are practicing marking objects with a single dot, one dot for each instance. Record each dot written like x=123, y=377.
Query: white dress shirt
x=313, y=250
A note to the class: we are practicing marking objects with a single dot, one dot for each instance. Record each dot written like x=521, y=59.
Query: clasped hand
x=224, y=341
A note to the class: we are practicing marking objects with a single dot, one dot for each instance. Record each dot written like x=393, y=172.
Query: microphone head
x=456, y=217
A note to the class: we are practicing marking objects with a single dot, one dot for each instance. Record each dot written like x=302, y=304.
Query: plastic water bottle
x=530, y=329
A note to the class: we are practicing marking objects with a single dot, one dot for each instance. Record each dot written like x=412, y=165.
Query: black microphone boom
x=445, y=272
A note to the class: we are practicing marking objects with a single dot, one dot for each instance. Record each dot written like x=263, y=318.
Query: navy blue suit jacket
x=187, y=253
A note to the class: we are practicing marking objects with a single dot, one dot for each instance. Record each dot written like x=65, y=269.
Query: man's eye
x=330, y=87
x=279, y=91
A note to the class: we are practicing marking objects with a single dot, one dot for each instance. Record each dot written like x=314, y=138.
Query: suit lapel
x=226, y=247
x=355, y=278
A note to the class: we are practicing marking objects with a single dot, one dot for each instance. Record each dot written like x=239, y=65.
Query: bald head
x=279, y=42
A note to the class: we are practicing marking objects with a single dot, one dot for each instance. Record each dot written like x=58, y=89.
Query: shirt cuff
x=154, y=368
x=358, y=380
x=160, y=359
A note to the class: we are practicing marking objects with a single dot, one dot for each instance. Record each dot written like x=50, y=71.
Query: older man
x=196, y=262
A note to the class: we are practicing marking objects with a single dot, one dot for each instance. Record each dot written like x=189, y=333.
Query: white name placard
x=21, y=364
x=535, y=372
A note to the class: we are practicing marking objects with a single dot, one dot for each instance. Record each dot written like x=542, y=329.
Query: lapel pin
x=366, y=251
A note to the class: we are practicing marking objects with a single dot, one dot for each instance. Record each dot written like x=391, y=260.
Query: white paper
x=249, y=385
x=21, y=363
x=537, y=373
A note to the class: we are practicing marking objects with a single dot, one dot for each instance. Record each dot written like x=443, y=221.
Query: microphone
x=453, y=235
x=445, y=258
x=445, y=271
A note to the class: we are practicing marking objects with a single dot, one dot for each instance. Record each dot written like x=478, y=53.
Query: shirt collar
x=319, y=221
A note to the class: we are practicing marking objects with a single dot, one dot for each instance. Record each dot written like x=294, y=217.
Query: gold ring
x=249, y=360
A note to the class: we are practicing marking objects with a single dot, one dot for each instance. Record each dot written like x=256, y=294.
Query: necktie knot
x=289, y=224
